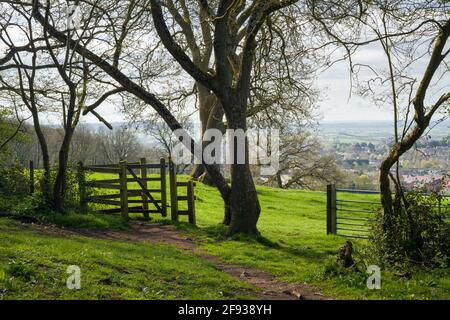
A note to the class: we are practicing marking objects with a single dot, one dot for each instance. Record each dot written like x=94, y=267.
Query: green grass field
x=293, y=247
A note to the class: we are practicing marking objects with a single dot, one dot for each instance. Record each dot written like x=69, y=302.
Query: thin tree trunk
x=45, y=154
x=60, y=187
x=385, y=190
x=279, y=180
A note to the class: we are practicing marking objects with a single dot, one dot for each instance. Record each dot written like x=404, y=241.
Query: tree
x=301, y=160
x=281, y=75
x=120, y=144
x=85, y=146
x=422, y=117
x=47, y=77
x=164, y=139
x=231, y=83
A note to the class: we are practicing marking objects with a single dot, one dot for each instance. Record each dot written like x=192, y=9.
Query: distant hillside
x=370, y=131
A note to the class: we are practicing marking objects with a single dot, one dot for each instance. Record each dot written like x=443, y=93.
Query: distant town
x=360, y=153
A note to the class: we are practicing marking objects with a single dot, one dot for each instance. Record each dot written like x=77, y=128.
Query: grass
x=293, y=247
x=33, y=265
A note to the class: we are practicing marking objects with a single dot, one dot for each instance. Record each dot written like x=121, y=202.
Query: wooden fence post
x=31, y=177
x=440, y=206
x=191, y=202
x=82, y=187
x=144, y=196
x=163, y=187
x=123, y=189
x=173, y=191
x=331, y=209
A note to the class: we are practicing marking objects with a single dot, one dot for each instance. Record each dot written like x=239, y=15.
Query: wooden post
x=144, y=196
x=173, y=191
x=123, y=189
x=440, y=206
x=191, y=202
x=31, y=177
x=331, y=209
x=82, y=187
x=163, y=187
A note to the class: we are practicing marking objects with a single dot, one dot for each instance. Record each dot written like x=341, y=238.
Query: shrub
x=72, y=192
x=33, y=206
x=15, y=188
x=416, y=235
x=13, y=181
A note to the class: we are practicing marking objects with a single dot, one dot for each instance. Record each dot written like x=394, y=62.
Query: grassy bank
x=33, y=265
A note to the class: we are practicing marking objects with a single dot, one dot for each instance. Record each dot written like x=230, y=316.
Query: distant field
x=294, y=247
x=369, y=131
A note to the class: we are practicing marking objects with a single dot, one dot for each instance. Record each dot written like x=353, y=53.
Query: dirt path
x=272, y=289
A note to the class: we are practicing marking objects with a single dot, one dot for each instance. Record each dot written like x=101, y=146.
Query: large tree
x=281, y=72
x=236, y=26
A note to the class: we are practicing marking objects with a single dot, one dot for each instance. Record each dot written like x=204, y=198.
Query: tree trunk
x=391, y=159
x=45, y=155
x=211, y=117
x=279, y=180
x=243, y=203
x=60, y=187
x=385, y=189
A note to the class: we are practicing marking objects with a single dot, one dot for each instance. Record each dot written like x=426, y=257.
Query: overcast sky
x=337, y=105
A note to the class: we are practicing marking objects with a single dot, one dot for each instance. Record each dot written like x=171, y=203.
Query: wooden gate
x=125, y=199
x=141, y=197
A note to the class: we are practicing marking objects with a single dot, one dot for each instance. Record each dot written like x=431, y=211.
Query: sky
x=337, y=103
x=340, y=105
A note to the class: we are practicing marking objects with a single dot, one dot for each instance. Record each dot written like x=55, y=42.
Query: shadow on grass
x=218, y=233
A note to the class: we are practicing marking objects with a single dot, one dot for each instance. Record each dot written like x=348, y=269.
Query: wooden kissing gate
x=140, y=198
